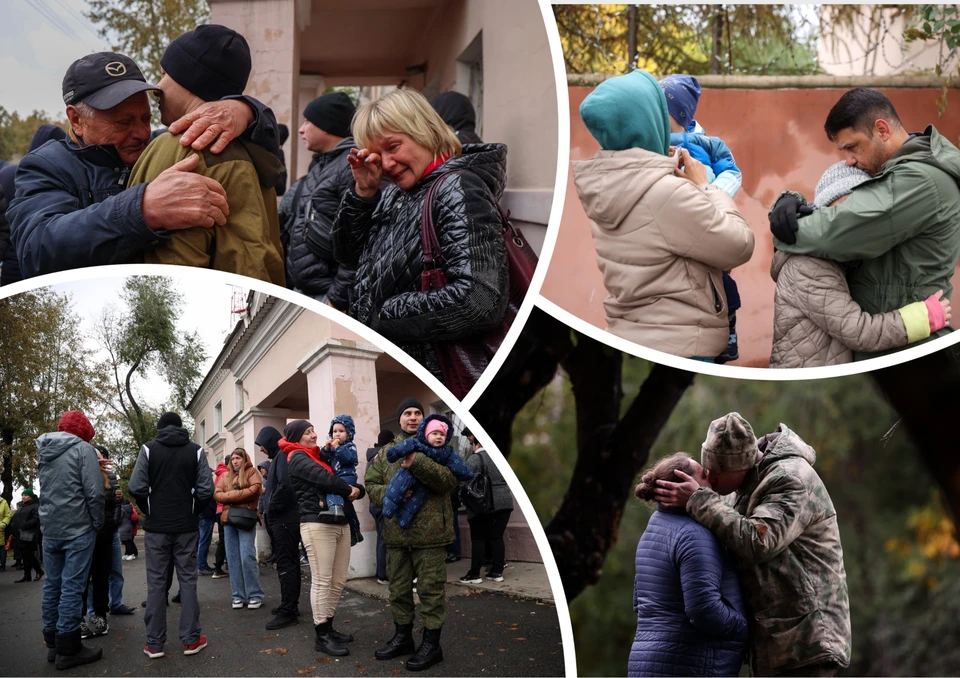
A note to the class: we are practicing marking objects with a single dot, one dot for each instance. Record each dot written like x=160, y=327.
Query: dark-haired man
x=903, y=225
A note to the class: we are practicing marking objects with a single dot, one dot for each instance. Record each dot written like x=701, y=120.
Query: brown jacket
x=248, y=497
x=816, y=322
x=662, y=243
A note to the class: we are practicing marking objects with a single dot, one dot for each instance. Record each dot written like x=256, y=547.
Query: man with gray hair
x=781, y=528
x=72, y=209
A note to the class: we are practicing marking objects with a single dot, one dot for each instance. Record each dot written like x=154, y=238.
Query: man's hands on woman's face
x=676, y=494
x=693, y=169
x=367, y=171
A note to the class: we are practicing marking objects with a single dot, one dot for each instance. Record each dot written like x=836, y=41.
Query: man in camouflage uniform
x=418, y=551
x=781, y=527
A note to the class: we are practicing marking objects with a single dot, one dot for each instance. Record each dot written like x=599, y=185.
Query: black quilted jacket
x=380, y=237
x=310, y=265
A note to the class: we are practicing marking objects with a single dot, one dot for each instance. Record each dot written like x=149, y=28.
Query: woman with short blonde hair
x=404, y=142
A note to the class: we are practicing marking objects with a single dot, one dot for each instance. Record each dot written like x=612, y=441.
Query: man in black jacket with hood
x=457, y=111
x=170, y=482
x=283, y=521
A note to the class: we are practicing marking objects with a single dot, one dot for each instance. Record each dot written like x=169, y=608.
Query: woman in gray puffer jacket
x=403, y=141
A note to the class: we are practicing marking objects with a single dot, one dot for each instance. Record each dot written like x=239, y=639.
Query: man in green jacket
x=903, y=225
x=207, y=64
x=5, y=516
x=418, y=551
x=781, y=529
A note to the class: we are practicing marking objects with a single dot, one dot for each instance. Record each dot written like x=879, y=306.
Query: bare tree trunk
x=716, y=24
x=926, y=393
x=609, y=454
x=6, y=476
x=631, y=37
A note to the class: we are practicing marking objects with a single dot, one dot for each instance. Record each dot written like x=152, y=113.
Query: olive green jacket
x=249, y=243
x=782, y=533
x=904, y=223
x=433, y=524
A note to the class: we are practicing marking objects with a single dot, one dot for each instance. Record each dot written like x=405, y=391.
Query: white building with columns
x=283, y=362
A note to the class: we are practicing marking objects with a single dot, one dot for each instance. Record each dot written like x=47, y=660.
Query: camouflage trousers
x=429, y=566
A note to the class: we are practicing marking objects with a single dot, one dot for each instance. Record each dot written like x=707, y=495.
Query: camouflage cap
x=730, y=445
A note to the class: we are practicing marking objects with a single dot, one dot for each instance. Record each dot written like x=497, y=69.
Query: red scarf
x=312, y=452
x=442, y=158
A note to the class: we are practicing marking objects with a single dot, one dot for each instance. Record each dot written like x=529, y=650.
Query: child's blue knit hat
x=683, y=93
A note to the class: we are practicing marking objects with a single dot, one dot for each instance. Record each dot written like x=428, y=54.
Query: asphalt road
x=486, y=634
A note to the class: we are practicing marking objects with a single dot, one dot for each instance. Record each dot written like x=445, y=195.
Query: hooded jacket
x=310, y=264
x=782, y=533
x=380, y=238
x=344, y=457
x=217, y=474
x=457, y=111
x=72, y=211
x=691, y=619
x=249, y=243
x=228, y=494
x=170, y=481
x=5, y=514
x=904, y=223
x=816, y=321
x=72, y=500
x=280, y=501
x=432, y=525
x=662, y=243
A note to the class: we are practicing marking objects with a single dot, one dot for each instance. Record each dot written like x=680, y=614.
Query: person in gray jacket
x=71, y=514
x=486, y=529
x=170, y=481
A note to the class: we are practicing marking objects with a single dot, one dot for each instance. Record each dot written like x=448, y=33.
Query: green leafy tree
x=17, y=132
x=142, y=29
x=45, y=369
x=941, y=25
x=143, y=338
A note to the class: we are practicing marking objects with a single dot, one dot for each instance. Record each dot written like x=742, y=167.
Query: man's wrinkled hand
x=215, y=122
x=177, y=199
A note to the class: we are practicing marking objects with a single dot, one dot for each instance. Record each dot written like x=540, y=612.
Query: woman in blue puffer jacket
x=690, y=613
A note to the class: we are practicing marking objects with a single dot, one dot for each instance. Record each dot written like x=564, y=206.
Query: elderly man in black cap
x=71, y=208
x=169, y=479
x=204, y=65
x=311, y=267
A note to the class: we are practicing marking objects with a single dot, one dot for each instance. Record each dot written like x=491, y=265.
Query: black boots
x=400, y=644
x=338, y=636
x=279, y=621
x=25, y=577
x=71, y=652
x=50, y=638
x=327, y=643
x=429, y=652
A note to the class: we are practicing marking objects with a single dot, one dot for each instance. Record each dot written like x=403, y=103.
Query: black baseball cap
x=103, y=80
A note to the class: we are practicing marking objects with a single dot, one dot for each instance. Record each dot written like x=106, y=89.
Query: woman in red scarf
x=326, y=536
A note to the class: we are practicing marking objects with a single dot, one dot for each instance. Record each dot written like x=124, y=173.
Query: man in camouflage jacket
x=418, y=551
x=781, y=528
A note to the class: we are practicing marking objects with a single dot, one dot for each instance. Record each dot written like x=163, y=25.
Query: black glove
x=783, y=218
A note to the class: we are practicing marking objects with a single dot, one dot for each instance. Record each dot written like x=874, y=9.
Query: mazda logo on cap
x=115, y=69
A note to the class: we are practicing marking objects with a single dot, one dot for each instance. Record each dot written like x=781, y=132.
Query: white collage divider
x=736, y=372
x=204, y=278
x=556, y=209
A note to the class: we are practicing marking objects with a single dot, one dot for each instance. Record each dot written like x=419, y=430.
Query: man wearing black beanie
x=311, y=267
x=207, y=64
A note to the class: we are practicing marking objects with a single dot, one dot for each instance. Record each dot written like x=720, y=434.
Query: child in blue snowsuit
x=342, y=455
x=683, y=94
x=432, y=437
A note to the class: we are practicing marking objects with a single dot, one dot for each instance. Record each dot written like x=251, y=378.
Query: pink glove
x=938, y=319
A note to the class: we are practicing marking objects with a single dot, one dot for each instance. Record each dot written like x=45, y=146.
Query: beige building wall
x=851, y=51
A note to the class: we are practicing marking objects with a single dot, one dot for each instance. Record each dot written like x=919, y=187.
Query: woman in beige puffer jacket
x=662, y=236
x=816, y=322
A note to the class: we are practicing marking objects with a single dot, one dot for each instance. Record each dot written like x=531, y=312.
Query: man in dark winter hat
x=73, y=210
x=70, y=475
x=311, y=266
x=418, y=552
x=283, y=522
x=203, y=65
x=457, y=111
x=169, y=479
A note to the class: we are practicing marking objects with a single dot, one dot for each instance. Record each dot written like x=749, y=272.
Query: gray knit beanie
x=837, y=182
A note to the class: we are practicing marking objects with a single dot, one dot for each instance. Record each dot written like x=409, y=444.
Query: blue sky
x=35, y=51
